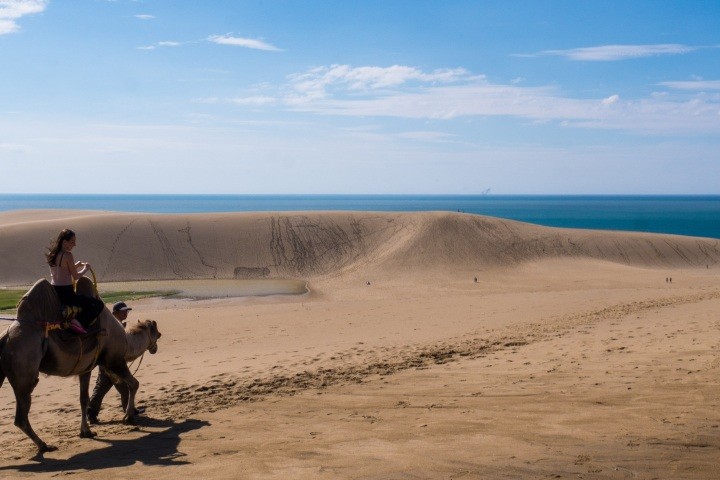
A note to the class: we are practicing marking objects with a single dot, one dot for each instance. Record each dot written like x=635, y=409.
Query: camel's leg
x=23, y=388
x=85, y=431
x=123, y=372
x=124, y=394
x=22, y=374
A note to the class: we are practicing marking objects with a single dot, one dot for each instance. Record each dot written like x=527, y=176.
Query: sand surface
x=571, y=356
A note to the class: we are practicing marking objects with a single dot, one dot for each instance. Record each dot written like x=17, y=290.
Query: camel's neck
x=137, y=343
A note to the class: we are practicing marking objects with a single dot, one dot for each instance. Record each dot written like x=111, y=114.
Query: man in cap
x=103, y=384
x=120, y=310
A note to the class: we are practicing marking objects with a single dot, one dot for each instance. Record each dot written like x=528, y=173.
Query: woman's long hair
x=56, y=246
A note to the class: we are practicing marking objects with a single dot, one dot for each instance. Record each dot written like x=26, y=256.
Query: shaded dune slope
x=132, y=246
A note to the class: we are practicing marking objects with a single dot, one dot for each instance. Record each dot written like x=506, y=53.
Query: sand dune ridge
x=124, y=247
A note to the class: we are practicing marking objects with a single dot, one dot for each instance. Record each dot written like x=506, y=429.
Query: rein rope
x=140, y=363
x=99, y=335
x=95, y=289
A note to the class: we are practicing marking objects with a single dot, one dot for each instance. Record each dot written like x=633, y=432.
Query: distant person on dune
x=63, y=271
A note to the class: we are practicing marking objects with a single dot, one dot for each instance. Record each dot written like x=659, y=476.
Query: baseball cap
x=121, y=307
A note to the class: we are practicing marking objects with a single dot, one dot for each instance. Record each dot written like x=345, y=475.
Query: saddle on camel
x=68, y=321
x=36, y=342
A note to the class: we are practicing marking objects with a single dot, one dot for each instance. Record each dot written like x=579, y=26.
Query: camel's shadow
x=156, y=448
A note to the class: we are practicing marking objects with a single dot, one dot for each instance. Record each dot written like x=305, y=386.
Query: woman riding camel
x=63, y=271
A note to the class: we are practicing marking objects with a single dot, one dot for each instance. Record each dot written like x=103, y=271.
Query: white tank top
x=60, y=275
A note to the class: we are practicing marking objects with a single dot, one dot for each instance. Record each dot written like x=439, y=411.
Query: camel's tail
x=3, y=342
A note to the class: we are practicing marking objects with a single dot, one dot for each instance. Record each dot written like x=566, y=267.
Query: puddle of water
x=214, y=288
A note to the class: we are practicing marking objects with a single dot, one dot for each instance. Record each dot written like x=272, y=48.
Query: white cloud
x=446, y=102
x=605, y=53
x=362, y=78
x=12, y=10
x=160, y=44
x=408, y=92
x=322, y=82
x=694, y=85
x=243, y=42
x=145, y=17
x=447, y=94
x=612, y=99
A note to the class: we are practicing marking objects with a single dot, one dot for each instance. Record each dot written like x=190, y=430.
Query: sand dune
x=129, y=246
x=572, y=356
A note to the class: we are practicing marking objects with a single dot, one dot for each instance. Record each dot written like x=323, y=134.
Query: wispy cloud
x=408, y=92
x=608, y=53
x=693, y=85
x=322, y=82
x=160, y=44
x=650, y=115
x=145, y=17
x=243, y=42
x=362, y=78
x=220, y=40
x=13, y=10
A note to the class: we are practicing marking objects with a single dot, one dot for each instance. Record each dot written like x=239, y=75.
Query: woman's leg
x=91, y=308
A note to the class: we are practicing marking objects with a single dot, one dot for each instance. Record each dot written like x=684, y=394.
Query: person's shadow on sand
x=156, y=448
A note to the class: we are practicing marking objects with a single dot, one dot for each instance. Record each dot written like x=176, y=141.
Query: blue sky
x=451, y=96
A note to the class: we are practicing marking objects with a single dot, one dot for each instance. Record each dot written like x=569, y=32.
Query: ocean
x=694, y=215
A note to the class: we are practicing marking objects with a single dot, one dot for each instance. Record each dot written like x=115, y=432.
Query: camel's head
x=150, y=326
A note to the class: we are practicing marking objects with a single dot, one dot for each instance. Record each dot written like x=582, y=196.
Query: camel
x=28, y=348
